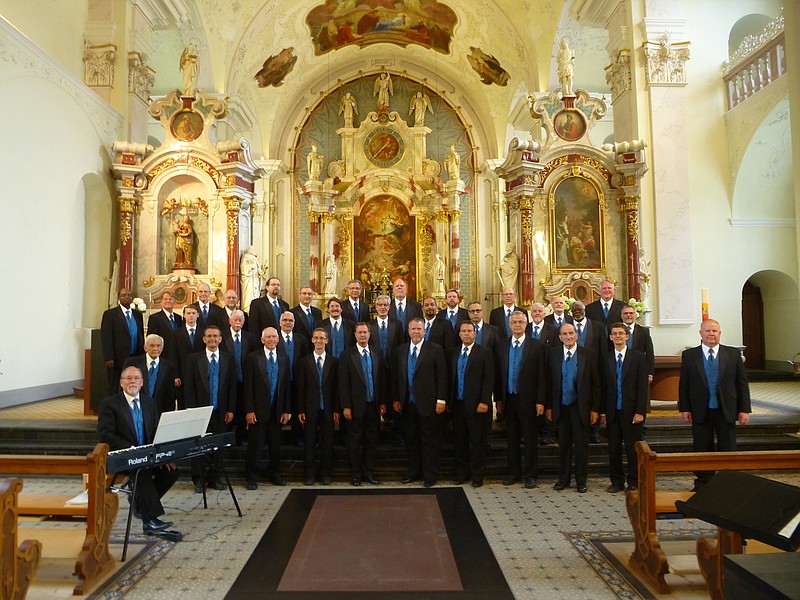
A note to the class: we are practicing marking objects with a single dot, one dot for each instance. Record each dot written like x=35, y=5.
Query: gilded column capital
x=140, y=76
x=629, y=203
x=127, y=207
x=665, y=61
x=98, y=63
x=618, y=74
x=441, y=216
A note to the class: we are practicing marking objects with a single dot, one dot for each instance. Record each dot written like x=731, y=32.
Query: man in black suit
x=340, y=332
x=592, y=336
x=486, y=335
x=403, y=308
x=165, y=322
x=160, y=374
x=186, y=340
x=573, y=404
x=354, y=309
x=500, y=315
x=363, y=380
x=385, y=332
x=639, y=339
x=266, y=378
x=624, y=408
x=294, y=347
x=239, y=342
x=519, y=393
x=420, y=387
x=471, y=384
x=210, y=380
x=606, y=310
x=127, y=419
x=306, y=317
x=266, y=311
x=713, y=394
x=231, y=299
x=317, y=405
x=453, y=312
x=208, y=312
x=546, y=333
x=437, y=328
x=122, y=334
x=558, y=316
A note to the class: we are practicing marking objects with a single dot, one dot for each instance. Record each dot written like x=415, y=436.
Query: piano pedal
x=170, y=535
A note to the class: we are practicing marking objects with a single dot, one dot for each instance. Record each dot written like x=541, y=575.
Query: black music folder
x=754, y=507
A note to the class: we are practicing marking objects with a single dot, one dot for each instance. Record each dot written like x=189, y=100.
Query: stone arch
x=781, y=304
x=751, y=24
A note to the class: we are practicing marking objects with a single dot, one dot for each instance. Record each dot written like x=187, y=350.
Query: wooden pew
x=94, y=559
x=645, y=504
x=17, y=564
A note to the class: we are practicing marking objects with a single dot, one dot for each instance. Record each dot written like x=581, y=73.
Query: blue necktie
x=310, y=318
x=401, y=315
x=152, y=374
x=619, y=381
x=172, y=321
x=355, y=310
x=629, y=343
x=205, y=313
x=508, y=327
x=367, y=364
x=427, y=329
x=290, y=356
x=605, y=309
x=213, y=381
x=712, y=376
x=276, y=310
x=412, y=365
x=237, y=353
x=581, y=335
x=191, y=335
x=272, y=371
x=452, y=318
x=336, y=346
x=479, y=335
x=559, y=322
x=133, y=330
x=513, y=371
x=319, y=375
x=138, y=421
x=384, y=337
x=462, y=367
x=536, y=331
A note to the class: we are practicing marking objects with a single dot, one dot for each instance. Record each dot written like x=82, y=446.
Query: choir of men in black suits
x=419, y=385
x=363, y=387
x=160, y=374
x=210, y=380
x=266, y=311
x=122, y=335
x=520, y=394
x=267, y=407
x=470, y=401
x=452, y=311
x=713, y=394
x=130, y=418
x=354, y=309
x=317, y=405
x=306, y=317
x=624, y=407
x=573, y=404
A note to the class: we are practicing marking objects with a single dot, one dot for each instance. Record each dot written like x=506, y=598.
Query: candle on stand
x=704, y=303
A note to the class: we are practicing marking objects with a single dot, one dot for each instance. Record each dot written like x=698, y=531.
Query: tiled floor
x=525, y=528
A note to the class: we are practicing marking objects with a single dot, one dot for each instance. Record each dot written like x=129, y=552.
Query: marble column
x=232, y=207
x=525, y=292
x=128, y=207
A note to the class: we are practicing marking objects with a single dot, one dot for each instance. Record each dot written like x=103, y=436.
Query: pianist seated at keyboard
x=130, y=418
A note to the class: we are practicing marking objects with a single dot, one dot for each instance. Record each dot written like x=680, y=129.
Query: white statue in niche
x=452, y=163
x=509, y=268
x=566, y=67
x=331, y=275
x=314, y=163
x=348, y=107
x=190, y=68
x=419, y=105
x=438, y=274
x=250, y=275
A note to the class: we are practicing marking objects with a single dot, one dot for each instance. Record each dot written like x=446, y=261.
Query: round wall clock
x=384, y=147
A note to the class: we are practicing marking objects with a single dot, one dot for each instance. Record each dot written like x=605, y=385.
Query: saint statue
x=251, y=274
x=439, y=270
x=566, y=67
x=348, y=108
x=420, y=103
x=190, y=67
x=383, y=89
x=184, y=241
x=452, y=163
x=331, y=275
x=509, y=268
x=314, y=162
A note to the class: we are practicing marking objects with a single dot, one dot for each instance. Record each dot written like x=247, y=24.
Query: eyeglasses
x=475, y=310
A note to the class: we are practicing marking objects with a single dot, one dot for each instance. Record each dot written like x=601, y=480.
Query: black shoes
x=252, y=485
x=477, y=483
x=511, y=480
x=530, y=483
x=370, y=479
x=613, y=489
x=356, y=481
x=326, y=480
x=309, y=480
x=155, y=525
x=278, y=479
x=429, y=483
x=559, y=486
x=198, y=488
x=582, y=489
x=217, y=485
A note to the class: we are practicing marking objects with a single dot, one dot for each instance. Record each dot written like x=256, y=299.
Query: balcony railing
x=759, y=61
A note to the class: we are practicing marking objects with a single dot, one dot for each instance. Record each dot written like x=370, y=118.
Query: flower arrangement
x=638, y=305
x=139, y=305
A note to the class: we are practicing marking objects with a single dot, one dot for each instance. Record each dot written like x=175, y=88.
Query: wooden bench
x=646, y=504
x=94, y=559
x=17, y=564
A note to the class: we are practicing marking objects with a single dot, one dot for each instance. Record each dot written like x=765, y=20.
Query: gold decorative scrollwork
x=345, y=233
x=629, y=203
x=526, y=225
x=127, y=182
x=633, y=225
x=629, y=180
x=127, y=206
x=526, y=202
x=215, y=283
x=567, y=158
x=232, y=205
x=191, y=204
x=441, y=216
x=327, y=217
x=149, y=282
x=230, y=180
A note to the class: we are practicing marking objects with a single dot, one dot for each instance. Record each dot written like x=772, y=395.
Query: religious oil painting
x=339, y=23
x=276, y=68
x=384, y=243
x=487, y=67
x=576, y=225
x=187, y=126
x=569, y=124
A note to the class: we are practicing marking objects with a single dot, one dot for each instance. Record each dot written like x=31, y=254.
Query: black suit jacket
x=588, y=383
x=183, y=347
x=635, y=388
x=363, y=311
x=412, y=310
x=442, y=333
x=250, y=343
x=394, y=337
x=308, y=388
x=301, y=324
x=115, y=421
x=461, y=315
x=262, y=315
x=498, y=318
x=116, y=336
x=594, y=311
x=165, y=392
x=532, y=374
x=551, y=319
x=195, y=382
x=548, y=333
x=596, y=340
x=159, y=324
x=733, y=392
x=302, y=347
x=228, y=319
x=478, y=378
x=642, y=342
x=257, y=386
x=490, y=336
x=216, y=316
x=347, y=333
x=430, y=377
x=353, y=380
